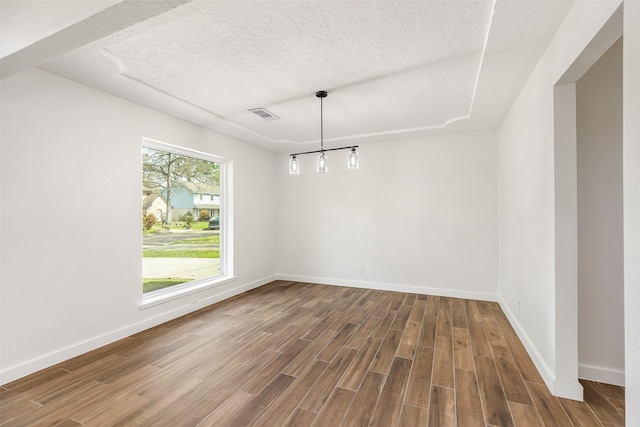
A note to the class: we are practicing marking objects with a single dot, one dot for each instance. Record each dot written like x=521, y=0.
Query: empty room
x=354, y=213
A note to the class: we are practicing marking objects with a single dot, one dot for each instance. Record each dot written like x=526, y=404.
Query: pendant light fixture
x=322, y=160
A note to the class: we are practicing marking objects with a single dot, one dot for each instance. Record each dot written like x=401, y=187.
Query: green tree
x=163, y=171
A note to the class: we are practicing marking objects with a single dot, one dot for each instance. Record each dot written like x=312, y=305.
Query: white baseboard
x=394, y=287
x=601, y=375
x=18, y=371
x=571, y=390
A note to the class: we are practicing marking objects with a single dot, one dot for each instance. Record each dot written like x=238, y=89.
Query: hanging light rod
x=326, y=149
x=352, y=160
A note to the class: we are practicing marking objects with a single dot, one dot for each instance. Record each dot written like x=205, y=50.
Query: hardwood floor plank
x=336, y=344
x=220, y=387
x=494, y=402
x=224, y=413
x=458, y=313
x=333, y=411
x=512, y=382
x=468, y=402
x=387, y=351
x=477, y=336
x=444, y=318
x=580, y=413
x=387, y=411
x=395, y=300
x=607, y=390
x=58, y=387
x=321, y=390
x=433, y=304
x=402, y=317
x=320, y=327
x=409, y=340
x=366, y=328
x=418, y=389
x=68, y=423
x=300, y=418
x=601, y=406
x=412, y=416
x=524, y=362
x=409, y=299
x=462, y=354
x=383, y=326
x=525, y=415
x=249, y=413
x=58, y=410
x=281, y=409
x=443, y=363
x=549, y=408
x=494, y=336
x=118, y=412
x=503, y=323
x=417, y=312
x=185, y=420
x=163, y=410
x=357, y=370
x=305, y=357
x=284, y=339
x=361, y=409
x=442, y=409
x=16, y=409
x=427, y=336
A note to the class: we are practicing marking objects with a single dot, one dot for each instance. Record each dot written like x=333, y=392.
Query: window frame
x=160, y=296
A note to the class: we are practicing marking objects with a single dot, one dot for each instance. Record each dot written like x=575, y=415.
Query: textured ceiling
x=393, y=69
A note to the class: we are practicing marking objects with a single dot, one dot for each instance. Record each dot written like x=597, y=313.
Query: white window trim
x=160, y=296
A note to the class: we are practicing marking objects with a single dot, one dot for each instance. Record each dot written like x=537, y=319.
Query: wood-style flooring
x=297, y=354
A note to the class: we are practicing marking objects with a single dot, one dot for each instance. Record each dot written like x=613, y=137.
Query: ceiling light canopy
x=322, y=160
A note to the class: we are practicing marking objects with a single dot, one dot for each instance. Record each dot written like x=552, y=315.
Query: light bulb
x=322, y=163
x=352, y=161
x=294, y=166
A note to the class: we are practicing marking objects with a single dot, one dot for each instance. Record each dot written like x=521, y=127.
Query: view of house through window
x=180, y=219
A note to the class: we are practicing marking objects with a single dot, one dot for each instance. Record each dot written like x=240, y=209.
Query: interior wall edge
x=392, y=287
x=568, y=391
x=15, y=372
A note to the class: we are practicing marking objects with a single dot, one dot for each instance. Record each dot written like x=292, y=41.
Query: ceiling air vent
x=264, y=113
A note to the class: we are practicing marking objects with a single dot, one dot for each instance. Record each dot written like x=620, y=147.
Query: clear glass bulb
x=352, y=161
x=322, y=163
x=294, y=166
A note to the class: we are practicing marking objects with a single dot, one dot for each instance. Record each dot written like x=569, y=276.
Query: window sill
x=165, y=295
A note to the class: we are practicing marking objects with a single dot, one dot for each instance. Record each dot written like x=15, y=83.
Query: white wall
x=600, y=230
x=527, y=211
x=71, y=263
x=631, y=188
x=419, y=215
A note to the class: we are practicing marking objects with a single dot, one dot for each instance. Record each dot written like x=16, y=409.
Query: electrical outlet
x=361, y=269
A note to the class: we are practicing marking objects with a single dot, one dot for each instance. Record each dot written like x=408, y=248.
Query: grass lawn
x=149, y=285
x=213, y=239
x=181, y=253
x=157, y=227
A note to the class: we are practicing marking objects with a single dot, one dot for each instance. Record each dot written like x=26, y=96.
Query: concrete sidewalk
x=188, y=268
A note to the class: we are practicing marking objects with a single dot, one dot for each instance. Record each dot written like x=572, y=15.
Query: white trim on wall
x=601, y=375
x=392, y=287
x=538, y=360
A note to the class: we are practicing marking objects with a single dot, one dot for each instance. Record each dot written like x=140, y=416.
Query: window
x=182, y=252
